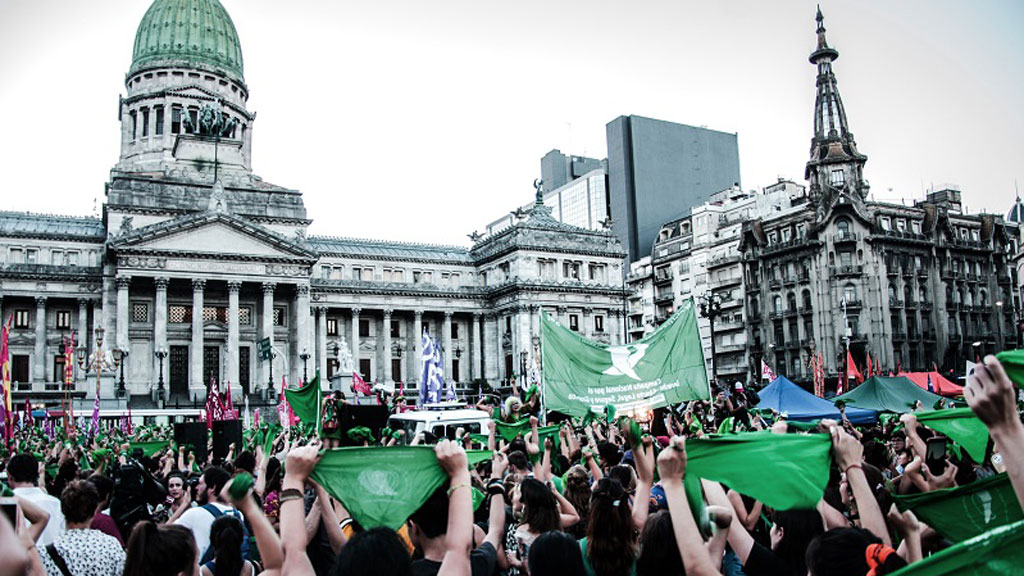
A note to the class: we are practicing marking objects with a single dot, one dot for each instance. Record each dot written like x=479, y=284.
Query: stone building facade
x=198, y=258
x=911, y=286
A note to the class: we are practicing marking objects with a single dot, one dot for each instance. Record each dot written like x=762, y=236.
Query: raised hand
x=672, y=460
x=989, y=393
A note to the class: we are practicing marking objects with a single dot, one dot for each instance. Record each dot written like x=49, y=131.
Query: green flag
x=962, y=426
x=511, y=431
x=998, y=552
x=783, y=471
x=966, y=511
x=664, y=368
x=1013, y=364
x=307, y=401
x=383, y=486
x=150, y=448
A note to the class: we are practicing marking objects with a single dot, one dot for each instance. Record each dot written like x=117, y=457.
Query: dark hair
x=577, y=492
x=78, y=501
x=104, y=486
x=841, y=552
x=624, y=474
x=659, y=552
x=432, y=517
x=164, y=550
x=610, y=540
x=245, y=461
x=215, y=478
x=375, y=552
x=518, y=460
x=555, y=554
x=609, y=453
x=799, y=528
x=23, y=468
x=226, y=535
x=273, y=475
x=175, y=474
x=541, y=508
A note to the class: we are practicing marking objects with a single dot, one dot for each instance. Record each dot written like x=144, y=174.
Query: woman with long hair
x=610, y=546
x=226, y=536
x=537, y=508
x=578, y=493
x=659, y=552
x=161, y=550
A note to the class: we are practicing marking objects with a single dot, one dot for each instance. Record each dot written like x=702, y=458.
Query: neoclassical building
x=196, y=259
x=914, y=287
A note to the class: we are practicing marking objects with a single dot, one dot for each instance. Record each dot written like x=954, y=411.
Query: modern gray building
x=557, y=169
x=658, y=171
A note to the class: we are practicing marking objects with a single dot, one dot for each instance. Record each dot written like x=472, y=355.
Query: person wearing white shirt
x=200, y=518
x=23, y=475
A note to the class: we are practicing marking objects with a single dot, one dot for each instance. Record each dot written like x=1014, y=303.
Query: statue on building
x=345, y=363
x=126, y=226
x=218, y=198
x=210, y=121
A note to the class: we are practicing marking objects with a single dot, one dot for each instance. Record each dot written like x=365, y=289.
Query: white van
x=441, y=420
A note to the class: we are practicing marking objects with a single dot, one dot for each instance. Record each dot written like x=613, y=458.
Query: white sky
x=422, y=120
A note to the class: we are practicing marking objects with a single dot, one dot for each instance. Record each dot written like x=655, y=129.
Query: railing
x=847, y=237
x=895, y=303
x=664, y=296
x=853, y=304
x=723, y=260
x=850, y=270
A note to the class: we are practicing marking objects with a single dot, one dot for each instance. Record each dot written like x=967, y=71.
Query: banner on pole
x=664, y=368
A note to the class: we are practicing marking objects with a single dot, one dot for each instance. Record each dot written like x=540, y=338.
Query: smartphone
x=12, y=510
x=935, y=455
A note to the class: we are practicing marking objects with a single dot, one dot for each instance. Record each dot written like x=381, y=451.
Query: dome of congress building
x=192, y=33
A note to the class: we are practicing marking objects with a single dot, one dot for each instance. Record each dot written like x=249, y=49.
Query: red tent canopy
x=940, y=385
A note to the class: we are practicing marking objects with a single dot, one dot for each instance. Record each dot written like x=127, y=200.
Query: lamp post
x=119, y=361
x=160, y=355
x=711, y=308
x=522, y=369
x=305, y=374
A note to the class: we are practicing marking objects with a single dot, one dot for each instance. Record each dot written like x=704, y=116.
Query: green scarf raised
x=962, y=426
x=150, y=448
x=510, y=432
x=998, y=552
x=1013, y=363
x=383, y=486
x=307, y=402
x=967, y=511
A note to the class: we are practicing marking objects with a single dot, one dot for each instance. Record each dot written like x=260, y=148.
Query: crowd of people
x=601, y=497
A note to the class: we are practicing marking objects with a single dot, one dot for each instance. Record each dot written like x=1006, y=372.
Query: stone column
x=123, y=318
x=39, y=354
x=499, y=350
x=416, y=350
x=447, y=344
x=587, y=322
x=615, y=328
x=386, y=378
x=267, y=331
x=196, y=350
x=233, y=287
x=321, y=343
x=563, y=316
x=477, y=348
x=301, y=329
x=355, y=341
x=82, y=338
x=159, y=328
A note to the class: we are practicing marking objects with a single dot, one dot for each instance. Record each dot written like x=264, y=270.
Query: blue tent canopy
x=799, y=404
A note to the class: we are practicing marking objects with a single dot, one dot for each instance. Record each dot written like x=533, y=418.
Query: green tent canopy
x=888, y=394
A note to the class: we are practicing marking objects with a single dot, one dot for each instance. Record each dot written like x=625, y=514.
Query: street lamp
x=119, y=355
x=711, y=308
x=305, y=373
x=160, y=355
x=522, y=368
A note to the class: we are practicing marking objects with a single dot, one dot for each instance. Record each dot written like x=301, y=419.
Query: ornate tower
x=835, y=167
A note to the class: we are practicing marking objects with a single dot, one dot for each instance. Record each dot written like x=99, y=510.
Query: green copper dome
x=188, y=32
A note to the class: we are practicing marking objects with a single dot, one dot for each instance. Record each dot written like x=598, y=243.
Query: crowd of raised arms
x=597, y=497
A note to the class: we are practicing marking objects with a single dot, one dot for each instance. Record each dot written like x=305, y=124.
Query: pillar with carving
x=123, y=283
x=267, y=331
x=355, y=342
x=196, y=350
x=159, y=327
x=233, y=287
x=416, y=349
x=386, y=372
x=82, y=337
x=447, y=338
x=321, y=344
x=477, y=348
x=301, y=331
x=39, y=351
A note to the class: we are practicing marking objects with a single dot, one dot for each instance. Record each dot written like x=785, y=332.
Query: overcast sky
x=422, y=120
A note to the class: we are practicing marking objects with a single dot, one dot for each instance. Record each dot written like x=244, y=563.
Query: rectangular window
x=31, y=256
x=571, y=270
x=332, y=326
x=455, y=370
x=56, y=257
x=159, y=128
x=19, y=368
x=140, y=312
x=63, y=320
x=886, y=223
x=193, y=116
x=179, y=314
x=598, y=323
x=21, y=318
x=396, y=328
x=71, y=258
x=574, y=322
x=455, y=331
x=364, y=327
x=901, y=225
x=278, y=316
x=17, y=256
x=417, y=276
x=145, y=121
x=58, y=368
x=916, y=227
x=426, y=327
x=837, y=178
x=245, y=315
x=364, y=368
x=176, y=120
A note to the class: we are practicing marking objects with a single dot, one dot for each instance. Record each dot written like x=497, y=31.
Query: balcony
x=929, y=336
x=775, y=283
x=845, y=237
x=803, y=277
x=730, y=348
x=892, y=271
x=723, y=261
x=790, y=312
x=851, y=270
x=895, y=304
x=664, y=296
x=662, y=277
x=806, y=342
x=922, y=272
x=789, y=280
x=899, y=335
x=902, y=235
x=805, y=310
x=853, y=304
x=728, y=282
x=777, y=315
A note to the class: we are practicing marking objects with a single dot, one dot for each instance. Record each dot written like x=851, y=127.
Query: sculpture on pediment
x=475, y=236
x=218, y=198
x=210, y=121
x=126, y=226
x=300, y=235
x=346, y=365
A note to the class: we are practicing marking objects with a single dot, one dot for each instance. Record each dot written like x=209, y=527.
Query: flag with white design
x=766, y=372
x=664, y=368
x=431, y=371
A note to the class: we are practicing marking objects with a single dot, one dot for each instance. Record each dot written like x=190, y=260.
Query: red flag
x=870, y=374
x=851, y=368
x=839, y=387
x=228, y=406
x=359, y=385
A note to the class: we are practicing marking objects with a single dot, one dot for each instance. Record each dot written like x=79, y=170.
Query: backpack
x=217, y=513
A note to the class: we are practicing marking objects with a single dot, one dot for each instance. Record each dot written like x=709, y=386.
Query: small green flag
x=512, y=431
x=150, y=448
x=383, y=486
x=962, y=426
x=307, y=402
x=966, y=511
x=796, y=464
x=998, y=552
x=1013, y=364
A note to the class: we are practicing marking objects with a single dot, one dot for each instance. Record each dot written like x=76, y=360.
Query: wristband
x=289, y=495
x=457, y=486
x=847, y=470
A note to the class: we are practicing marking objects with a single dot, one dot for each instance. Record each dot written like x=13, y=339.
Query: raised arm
x=267, y=541
x=459, y=539
x=643, y=454
x=496, y=493
x=672, y=466
x=990, y=395
x=848, y=454
x=298, y=466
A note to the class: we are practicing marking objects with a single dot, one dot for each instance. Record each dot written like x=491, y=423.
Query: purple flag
x=94, y=427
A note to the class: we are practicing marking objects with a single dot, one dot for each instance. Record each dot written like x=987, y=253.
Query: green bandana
x=967, y=511
x=307, y=402
x=962, y=426
x=726, y=427
x=511, y=431
x=240, y=485
x=478, y=499
x=150, y=448
x=1013, y=363
x=360, y=434
x=997, y=552
x=383, y=486
x=803, y=426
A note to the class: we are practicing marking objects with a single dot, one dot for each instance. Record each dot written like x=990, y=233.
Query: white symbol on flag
x=624, y=359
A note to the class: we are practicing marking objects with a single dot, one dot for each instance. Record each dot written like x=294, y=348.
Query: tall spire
x=835, y=165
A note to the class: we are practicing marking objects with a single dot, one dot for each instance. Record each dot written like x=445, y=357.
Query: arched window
x=908, y=297
x=922, y=294
x=807, y=298
x=892, y=294
x=843, y=226
x=777, y=304
x=791, y=302
x=982, y=298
